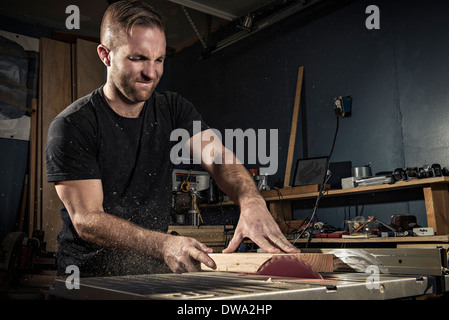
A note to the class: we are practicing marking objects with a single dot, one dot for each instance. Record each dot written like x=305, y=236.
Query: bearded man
x=108, y=154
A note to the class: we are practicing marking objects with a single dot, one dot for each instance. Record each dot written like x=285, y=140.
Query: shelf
x=398, y=242
x=285, y=194
x=435, y=190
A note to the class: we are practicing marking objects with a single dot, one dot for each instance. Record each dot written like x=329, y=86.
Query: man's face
x=137, y=64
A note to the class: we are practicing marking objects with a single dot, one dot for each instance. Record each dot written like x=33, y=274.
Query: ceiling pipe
x=264, y=23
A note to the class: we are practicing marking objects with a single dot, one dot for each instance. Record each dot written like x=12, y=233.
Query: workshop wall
x=398, y=77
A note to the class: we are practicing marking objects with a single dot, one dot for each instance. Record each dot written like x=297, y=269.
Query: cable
x=320, y=193
x=195, y=29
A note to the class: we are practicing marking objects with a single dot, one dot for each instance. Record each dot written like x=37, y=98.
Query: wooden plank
x=213, y=236
x=32, y=168
x=280, y=210
x=203, y=232
x=59, y=72
x=36, y=223
x=251, y=262
x=291, y=144
x=436, y=197
x=56, y=95
x=89, y=69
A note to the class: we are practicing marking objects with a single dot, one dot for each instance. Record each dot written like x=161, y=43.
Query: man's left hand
x=257, y=223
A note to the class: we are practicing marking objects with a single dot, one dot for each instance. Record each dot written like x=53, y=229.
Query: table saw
x=374, y=274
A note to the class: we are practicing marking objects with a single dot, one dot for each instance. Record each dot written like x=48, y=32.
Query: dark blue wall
x=398, y=77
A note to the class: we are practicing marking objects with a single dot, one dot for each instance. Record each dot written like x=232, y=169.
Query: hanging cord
x=321, y=192
x=198, y=34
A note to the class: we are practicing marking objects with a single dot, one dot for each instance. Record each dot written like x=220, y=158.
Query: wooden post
x=436, y=197
x=291, y=145
x=280, y=210
x=33, y=168
x=56, y=94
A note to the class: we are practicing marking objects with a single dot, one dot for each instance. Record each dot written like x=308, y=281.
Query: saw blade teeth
x=288, y=266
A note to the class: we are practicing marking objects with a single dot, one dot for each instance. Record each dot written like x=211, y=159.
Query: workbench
x=435, y=192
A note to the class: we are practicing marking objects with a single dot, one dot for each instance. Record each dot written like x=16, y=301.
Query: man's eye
x=135, y=58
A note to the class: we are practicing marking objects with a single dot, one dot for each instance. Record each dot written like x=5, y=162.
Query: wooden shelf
x=435, y=190
x=398, y=242
x=285, y=194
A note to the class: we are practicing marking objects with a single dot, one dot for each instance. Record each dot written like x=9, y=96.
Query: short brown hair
x=123, y=16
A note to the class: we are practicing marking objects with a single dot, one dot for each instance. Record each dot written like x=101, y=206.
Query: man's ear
x=103, y=53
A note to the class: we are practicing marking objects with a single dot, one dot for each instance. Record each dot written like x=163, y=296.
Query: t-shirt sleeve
x=70, y=153
x=186, y=116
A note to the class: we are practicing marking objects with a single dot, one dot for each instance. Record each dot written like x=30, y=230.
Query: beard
x=129, y=86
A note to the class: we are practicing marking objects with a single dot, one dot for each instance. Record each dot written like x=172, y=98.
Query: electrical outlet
x=343, y=106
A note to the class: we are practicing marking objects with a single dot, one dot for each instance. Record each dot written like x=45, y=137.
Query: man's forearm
x=236, y=182
x=181, y=254
x=110, y=231
x=83, y=200
x=255, y=221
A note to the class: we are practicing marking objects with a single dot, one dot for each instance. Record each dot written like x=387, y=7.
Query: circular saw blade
x=288, y=266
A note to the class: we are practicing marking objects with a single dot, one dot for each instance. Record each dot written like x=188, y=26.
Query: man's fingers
x=270, y=242
x=271, y=245
x=205, y=248
x=201, y=257
x=285, y=245
x=266, y=245
x=234, y=243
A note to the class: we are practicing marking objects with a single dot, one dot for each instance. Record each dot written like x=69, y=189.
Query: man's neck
x=122, y=106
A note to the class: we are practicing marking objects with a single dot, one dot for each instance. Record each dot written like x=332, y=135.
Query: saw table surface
x=228, y=286
x=358, y=274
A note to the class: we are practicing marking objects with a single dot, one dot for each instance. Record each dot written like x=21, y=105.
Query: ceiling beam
x=264, y=23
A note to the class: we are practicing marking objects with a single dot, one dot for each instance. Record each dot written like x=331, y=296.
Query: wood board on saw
x=250, y=263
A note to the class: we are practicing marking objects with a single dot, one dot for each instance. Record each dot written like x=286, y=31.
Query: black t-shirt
x=131, y=156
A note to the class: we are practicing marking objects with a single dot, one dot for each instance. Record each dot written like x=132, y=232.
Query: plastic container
x=360, y=225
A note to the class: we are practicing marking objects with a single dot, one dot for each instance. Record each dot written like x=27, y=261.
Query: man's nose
x=150, y=71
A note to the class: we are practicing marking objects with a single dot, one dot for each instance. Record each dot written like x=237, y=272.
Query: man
x=108, y=154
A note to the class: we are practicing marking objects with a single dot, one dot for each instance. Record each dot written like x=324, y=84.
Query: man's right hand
x=183, y=254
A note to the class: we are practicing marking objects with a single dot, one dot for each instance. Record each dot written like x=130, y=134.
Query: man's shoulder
x=81, y=107
x=168, y=97
x=170, y=101
x=79, y=114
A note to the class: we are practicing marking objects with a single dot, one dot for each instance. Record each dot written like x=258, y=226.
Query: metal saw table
x=403, y=273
